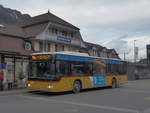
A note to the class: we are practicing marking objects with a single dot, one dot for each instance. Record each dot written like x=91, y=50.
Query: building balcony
x=60, y=39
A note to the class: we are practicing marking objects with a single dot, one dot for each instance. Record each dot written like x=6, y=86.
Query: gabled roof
x=111, y=50
x=35, y=30
x=33, y=26
x=103, y=49
x=45, y=18
x=12, y=30
x=90, y=45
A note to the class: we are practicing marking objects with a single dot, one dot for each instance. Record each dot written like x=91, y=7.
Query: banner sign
x=2, y=66
x=113, y=61
x=64, y=39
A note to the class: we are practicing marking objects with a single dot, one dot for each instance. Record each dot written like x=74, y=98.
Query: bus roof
x=64, y=53
x=73, y=54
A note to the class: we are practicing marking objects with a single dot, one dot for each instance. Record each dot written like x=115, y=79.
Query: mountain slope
x=10, y=16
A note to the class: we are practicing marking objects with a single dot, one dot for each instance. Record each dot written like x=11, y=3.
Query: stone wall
x=138, y=71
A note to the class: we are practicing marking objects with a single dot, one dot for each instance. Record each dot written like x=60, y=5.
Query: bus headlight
x=50, y=86
x=29, y=85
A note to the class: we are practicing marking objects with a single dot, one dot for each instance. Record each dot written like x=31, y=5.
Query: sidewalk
x=13, y=92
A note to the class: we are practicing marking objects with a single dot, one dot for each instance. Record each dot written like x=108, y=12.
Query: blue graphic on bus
x=99, y=80
x=113, y=62
x=73, y=58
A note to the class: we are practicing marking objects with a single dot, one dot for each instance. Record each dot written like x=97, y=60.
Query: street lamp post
x=134, y=52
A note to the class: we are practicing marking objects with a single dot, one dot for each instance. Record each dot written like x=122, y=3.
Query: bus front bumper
x=41, y=86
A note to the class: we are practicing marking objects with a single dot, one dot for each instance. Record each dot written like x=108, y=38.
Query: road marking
x=147, y=98
x=136, y=91
x=141, y=91
x=146, y=111
x=71, y=111
x=83, y=104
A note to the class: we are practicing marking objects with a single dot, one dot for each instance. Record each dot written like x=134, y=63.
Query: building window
x=71, y=34
x=94, y=52
x=56, y=47
x=63, y=47
x=49, y=47
x=64, y=33
x=2, y=59
x=40, y=46
x=54, y=30
x=49, y=30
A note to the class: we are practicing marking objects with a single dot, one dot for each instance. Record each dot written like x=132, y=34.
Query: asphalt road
x=133, y=97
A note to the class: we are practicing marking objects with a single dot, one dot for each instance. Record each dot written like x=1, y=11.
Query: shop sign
x=2, y=66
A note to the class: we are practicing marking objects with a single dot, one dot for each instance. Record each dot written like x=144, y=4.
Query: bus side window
x=81, y=68
x=99, y=68
x=108, y=68
x=111, y=69
x=96, y=68
x=62, y=68
x=117, y=68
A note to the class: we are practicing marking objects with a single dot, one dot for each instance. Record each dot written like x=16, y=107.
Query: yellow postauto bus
x=72, y=71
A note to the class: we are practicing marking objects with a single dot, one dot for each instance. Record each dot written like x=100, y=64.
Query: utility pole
x=134, y=52
x=124, y=56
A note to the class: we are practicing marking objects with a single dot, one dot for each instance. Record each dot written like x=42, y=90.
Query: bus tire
x=77, y=86
x=114, y=83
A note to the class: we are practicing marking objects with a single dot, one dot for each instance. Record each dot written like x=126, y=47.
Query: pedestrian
x=1, y=79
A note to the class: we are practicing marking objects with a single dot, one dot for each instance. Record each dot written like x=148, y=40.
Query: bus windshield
x=42, y=69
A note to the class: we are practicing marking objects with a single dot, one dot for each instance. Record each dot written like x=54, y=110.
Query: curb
x=13, y=92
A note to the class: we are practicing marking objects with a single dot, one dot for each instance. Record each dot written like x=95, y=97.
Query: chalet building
x=50, y=33
x=45, y=32
x=92, y=49
x=100, y=51
x=111, y=53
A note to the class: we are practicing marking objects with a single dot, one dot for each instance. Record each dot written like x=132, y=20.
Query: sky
x=111, y=23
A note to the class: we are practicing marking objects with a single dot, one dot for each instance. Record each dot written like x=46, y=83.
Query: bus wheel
x=76, y=86
x=114, y=83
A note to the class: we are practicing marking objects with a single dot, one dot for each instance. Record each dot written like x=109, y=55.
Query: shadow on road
x=40, y=93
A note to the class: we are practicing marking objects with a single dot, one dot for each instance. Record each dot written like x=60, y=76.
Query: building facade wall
x=53, y=47
x=8, y=43
x=36, y=45
x=99, y=51
x=60, y=36
x=10, y=48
